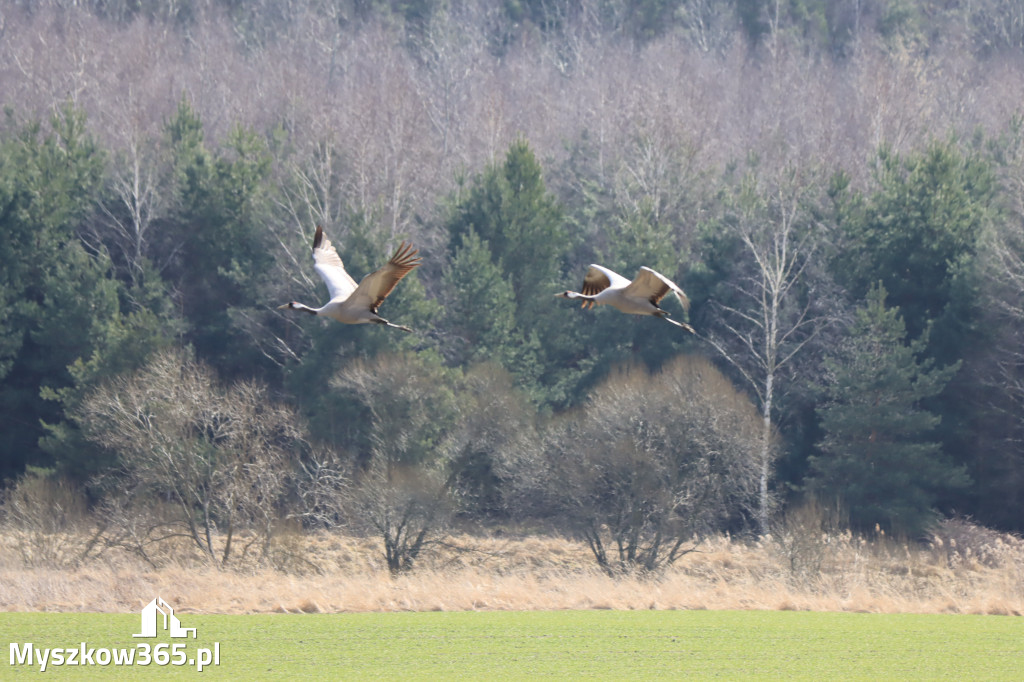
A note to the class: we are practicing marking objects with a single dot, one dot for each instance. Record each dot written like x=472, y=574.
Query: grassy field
x=798, y=606
x=553, y=644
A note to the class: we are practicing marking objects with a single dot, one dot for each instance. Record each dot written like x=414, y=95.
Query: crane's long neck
x=588, y=301
x=576, y=294
x=294, y=305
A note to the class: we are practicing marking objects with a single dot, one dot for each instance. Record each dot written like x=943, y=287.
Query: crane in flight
x=640, y=296
x=353, y=303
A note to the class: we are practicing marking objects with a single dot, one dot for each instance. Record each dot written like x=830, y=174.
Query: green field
x=559, y=645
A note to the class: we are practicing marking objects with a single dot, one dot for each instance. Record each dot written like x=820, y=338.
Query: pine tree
x=510, y=208
x=481, y=313
x=54, y=295
x=876, y=457
x=509, y=213
x=918, y=234
x=222, y=257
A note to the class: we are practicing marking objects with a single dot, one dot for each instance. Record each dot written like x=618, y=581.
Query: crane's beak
x=286, y=306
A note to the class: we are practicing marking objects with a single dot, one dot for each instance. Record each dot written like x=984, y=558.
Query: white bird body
x=353, y=303
x=640, y=296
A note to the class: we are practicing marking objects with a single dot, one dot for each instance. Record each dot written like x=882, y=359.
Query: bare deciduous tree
x=137, y=201
x=654, y=462
x=450, y=51
x=404, y=477
x=773, y=314
x=324, y=488
x=216, y=457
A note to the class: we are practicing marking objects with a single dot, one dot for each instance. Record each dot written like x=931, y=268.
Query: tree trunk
x=765, y=463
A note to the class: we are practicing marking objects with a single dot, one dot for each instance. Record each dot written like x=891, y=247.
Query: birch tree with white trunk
x=772, y=311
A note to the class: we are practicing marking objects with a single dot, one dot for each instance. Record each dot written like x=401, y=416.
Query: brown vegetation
x=964, y=569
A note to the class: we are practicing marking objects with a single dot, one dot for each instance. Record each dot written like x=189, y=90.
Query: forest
x=837, y=186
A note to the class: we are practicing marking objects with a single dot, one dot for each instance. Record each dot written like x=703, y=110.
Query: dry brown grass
x=333, y=573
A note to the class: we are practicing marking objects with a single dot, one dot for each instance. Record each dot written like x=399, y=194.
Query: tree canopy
x=838, y=189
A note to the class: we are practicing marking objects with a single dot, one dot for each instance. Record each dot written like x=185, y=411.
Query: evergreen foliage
x=876, y=457
x=481, y=313
x=221, y=255
x=49, y=282
x=511, y=209
x=918, y=235
x=507, y=241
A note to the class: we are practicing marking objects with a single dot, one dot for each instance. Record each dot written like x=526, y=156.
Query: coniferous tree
x=222, y=258
x=877, y=457
x=56, y=296
x=511, y=209
x=510, y=213
x=918, y=234
x=481, y=312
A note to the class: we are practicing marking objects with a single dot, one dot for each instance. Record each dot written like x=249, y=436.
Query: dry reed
x=321, y=572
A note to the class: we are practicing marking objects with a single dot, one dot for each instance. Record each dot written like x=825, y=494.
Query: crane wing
x=376, y=286
x=654, y=286
x=599, y=278
x=328, y=265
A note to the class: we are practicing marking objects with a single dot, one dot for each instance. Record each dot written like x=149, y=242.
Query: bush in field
x=49, y=520
x=655, y=461
x=401, y=411
x=212, y=459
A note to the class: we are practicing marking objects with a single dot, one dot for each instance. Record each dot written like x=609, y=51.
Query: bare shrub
x=807, y=538
x=323, y=488
x=138, y=524
x=49, y=521
x=495, y=445
x=403, y=479
x=408, y=509
x=211, y=460
x=655, y=462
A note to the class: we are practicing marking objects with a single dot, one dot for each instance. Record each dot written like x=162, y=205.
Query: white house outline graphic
x=149, y=620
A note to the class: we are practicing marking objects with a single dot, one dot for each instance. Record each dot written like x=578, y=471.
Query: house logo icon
x=171, y=622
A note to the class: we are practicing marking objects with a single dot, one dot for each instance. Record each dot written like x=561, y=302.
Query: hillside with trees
x=839, y=188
